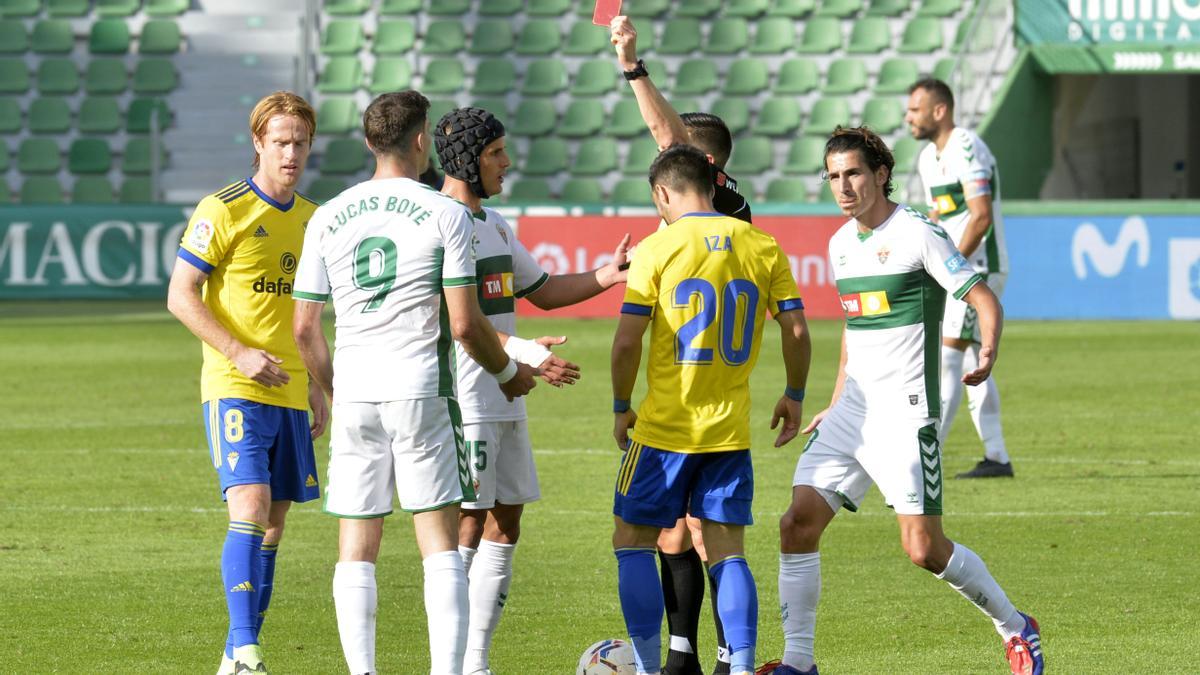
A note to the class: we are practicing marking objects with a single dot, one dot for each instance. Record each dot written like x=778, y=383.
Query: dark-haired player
x=893, y=269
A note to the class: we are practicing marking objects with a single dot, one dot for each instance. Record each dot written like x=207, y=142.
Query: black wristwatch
x=638, y=71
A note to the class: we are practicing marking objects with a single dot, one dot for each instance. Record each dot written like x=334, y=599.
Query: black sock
x=722, y=667
x=683, y=595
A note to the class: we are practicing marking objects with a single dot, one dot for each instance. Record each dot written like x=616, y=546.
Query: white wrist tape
x=526, y=351
x=509, y=372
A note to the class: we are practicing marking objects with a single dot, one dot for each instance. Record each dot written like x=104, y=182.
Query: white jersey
x=504, y=271
x=384, y=250
x=893, y=284
x=965, y=169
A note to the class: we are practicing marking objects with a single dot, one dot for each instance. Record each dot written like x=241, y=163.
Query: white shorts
x=412, y=448
x=501, y=459
x=959, y=321
x=849, y=450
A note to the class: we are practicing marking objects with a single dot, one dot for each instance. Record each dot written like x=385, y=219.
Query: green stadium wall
x=1019, y=128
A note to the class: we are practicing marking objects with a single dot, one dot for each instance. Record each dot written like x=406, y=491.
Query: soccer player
x=230, y=288
x=397, y=259
x=701, y=285
x=471, y=146
x=893, y=268
x=682, y=564
x=962, y=188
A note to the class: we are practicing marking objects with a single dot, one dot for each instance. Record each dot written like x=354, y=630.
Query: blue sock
x=242, y=576
x=737, y=604
x=642, y=604
x=266, y=559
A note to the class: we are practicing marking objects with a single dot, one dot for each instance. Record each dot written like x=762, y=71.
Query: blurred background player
x=962, y=188
x=682, y=563
x=881, y=424
x=398, y=261
x=471, y=146
x=239, y=257
x=701, y=285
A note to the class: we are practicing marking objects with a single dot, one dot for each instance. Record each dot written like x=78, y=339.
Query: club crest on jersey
x=232, y=458
x=883, y=254
x=202, y=234
x=871, y=303
x=500, y=231
x=499, y=285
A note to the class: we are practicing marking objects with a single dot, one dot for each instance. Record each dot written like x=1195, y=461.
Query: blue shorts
x=255, y=443
x=658, y=487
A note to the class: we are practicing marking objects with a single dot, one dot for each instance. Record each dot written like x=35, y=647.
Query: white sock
x=984, y=403
x=967, y=574
x=490, y=578
x=354, y=599
x=467, y=554
x=952, y=386
x=799, y=591
x=446, y=611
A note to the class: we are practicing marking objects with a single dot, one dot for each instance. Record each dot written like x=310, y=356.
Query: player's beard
x=922, y=133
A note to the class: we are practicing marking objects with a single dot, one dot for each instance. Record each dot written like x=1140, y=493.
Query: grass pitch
x=111, y=525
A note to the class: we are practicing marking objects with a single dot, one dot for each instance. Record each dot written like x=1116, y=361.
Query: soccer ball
x=607, y=657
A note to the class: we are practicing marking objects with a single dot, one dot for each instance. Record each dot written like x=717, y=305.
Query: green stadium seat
x=449, y=7
x=20, y=8
x=641, y=8
x=594, y=78
x=983, y=40
x=397, y=7
x=394, y=36
x=93, y=190
x=797, y=77
x=57, y=76
x=109, y=36
x=846, y=76
x=539, y=37
x=341, y=37
x=142, y=113
x=728, y=36
x=787, y=190
x=922, y=36
x=117, y=8
x=905, y=152
x=155, y=76
x=42, y=190
x=685, y=104
x=497, y=106
x=944, y=71
x=100, y=115
x=89, y=155
x=749, y=9
x=551, y=7
x=774, y=35
x=349, y=7
x=826, y=115
x=547, y=156
x=338, y=116
x=870, y=35
x=585, y=39
x=341, y=75
x=163, y=9
x=160, y=36
x=106, y=76
x=897, y=75
x=824, y=194
x=499, y=7
x=544, y=77
x=940, y=8
x=492, y=37
x=49, y=116
x=582, y=118
x=530, y=190
x=444, y=76
x=658, y=75
x=324, y=188
x=596, y=157
x=494, y=76
x=5, y=161
x=138, y=156
x=842, y=9
x=11, y=118
x=806, y=155
x=625, y=122
x=14, y=76
x=390, y=73
x=13, y=38
x=136, y=190
x=699, y=9
x=445, y=37
x=640, y=153
x=792, y=9
x=534, y=117
x=680, y=36
x=631, y=192
x=746, y=77
x=52, y=36
x=39, y=155
x=778, y=117
x=344, y=156
x=822, y=35
x=883, y=115
x=696, y=77
x=735, y=112
x=582, y=191
x=438, y=107
x=888, y=7
x=751, y=156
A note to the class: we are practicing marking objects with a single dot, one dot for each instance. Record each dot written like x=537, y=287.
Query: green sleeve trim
x=433, y=508
x=975, y=278
x=454, y=282
x=366, y=517
x=534, y=287
x=312, y=297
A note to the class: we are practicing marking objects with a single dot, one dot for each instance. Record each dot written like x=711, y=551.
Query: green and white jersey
x=892, y=283
x=504, y=271
x=965, y=169
x=383, y=250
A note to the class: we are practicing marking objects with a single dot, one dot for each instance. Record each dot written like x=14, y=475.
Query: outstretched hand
x=554, y=370
x=616, y=271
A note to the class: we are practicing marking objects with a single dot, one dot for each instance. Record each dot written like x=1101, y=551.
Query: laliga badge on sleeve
x=202, y=234
x=605, y=11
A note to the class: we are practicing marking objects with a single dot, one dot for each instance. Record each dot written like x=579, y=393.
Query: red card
x=605, y=11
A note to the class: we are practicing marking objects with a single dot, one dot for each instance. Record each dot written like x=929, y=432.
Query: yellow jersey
x=706, y=281
x=249, y=244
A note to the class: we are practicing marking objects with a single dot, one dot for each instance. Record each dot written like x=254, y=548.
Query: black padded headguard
x=460, y=137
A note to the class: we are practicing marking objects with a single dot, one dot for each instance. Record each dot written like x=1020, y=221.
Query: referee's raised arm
x=664, y=122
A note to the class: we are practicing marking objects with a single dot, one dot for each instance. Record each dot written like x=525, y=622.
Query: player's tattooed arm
x=665, y=124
